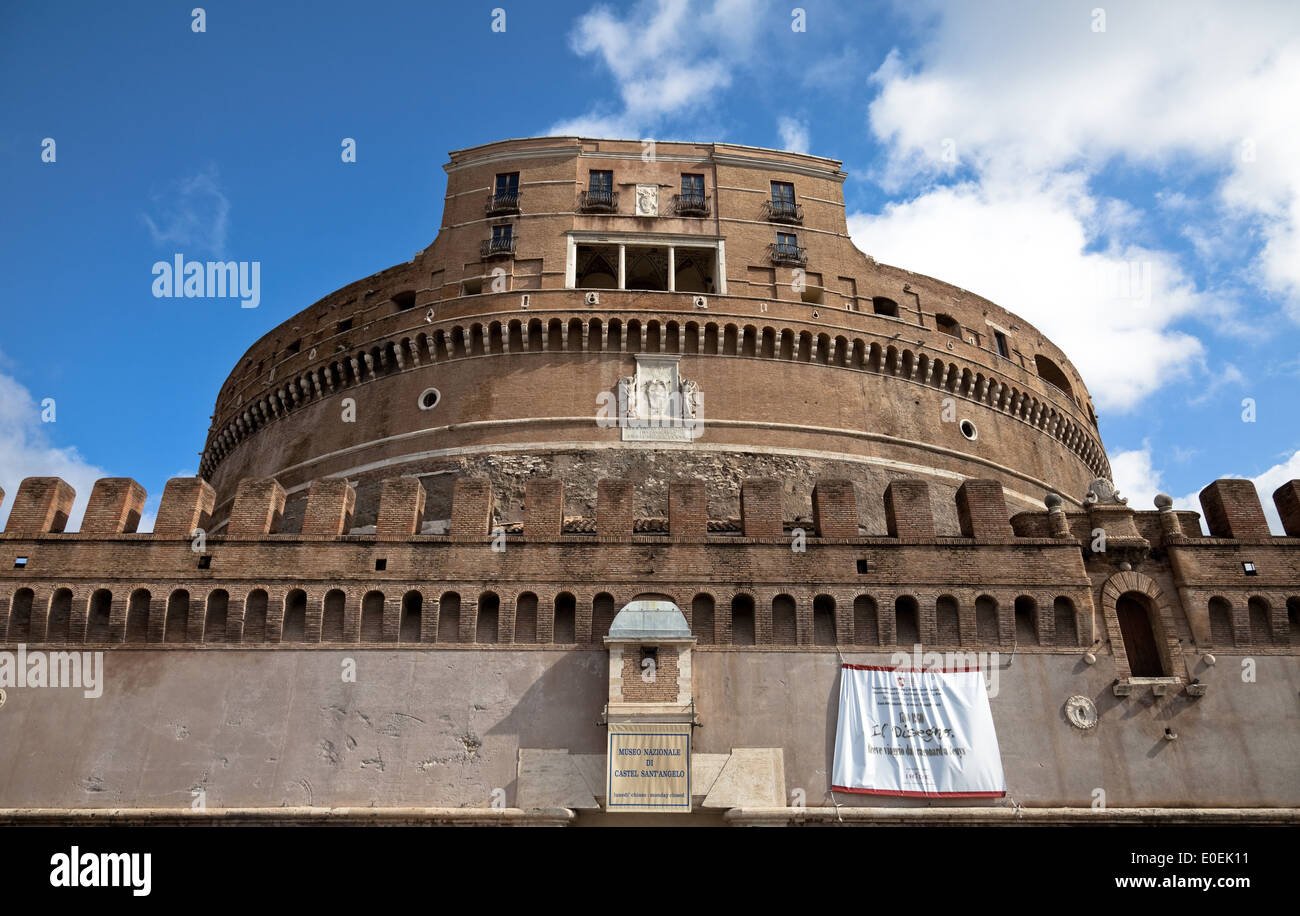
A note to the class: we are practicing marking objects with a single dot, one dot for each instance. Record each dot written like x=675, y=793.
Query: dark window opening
x=344, y=325
x=1003, y=350
x=948, y=325
x=882, y=306
x=294, y=347
x=20, y=562
x=381, y=564
x=404, y=301
x=205, y=561
x=1139, y=638
x=862, y=567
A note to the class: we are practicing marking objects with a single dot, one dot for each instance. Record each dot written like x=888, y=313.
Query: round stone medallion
x=1081, y=712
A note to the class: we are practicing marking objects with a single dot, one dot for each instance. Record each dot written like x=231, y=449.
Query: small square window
x=381, y=564
x=344, y=325
x=862, y=567
x=20, y=562
x=1249, y=569
x=205, y=561
x=295, y=346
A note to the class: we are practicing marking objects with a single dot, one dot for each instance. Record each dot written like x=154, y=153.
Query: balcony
x=789, y=254
x=501, y=247
x=598, y=201
x=691, y=204
x=501, y=203
x=783, y=211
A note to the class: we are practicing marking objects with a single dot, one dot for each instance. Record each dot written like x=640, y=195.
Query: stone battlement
x=1035, y=581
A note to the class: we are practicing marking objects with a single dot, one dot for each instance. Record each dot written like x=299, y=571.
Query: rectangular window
x=295, y=346
x=1249, y=569
x=1003, y=350
x=344, y=325
x=507, y=184
x=783, y=193
x=693, y=186
x=502, y=234
x=601, y=181
x=20, y=562
x=787, y=240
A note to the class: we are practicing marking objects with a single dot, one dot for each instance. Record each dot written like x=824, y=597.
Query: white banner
x=905, y=731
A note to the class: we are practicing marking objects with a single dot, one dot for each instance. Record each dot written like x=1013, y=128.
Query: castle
x=643, y=401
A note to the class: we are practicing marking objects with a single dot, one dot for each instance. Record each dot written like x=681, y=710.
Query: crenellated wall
x=1035, y=581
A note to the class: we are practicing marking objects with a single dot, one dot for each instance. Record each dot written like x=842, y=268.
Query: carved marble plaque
x=657, y=404
x=647, y=200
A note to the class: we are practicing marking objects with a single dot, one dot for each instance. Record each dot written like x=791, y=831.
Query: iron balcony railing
x=691, y=204
x=598, y=201
x=789, y=254
x=499, y=247
x=783, y=211
x=502, y=202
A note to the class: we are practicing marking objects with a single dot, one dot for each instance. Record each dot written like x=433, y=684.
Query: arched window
x=214, y=624
x=1026, y=621
x=101, y=608
x=1220, y=622
x=254, y=616
x=1050, y=372
x=1133, y=610
x=948, y=325
x=602, y=617
x=1261, y=634
x=178, y=616
x=907, y=627
x=865, y=629
x=947, y=621
x=882, y=306
x=372, y=617
x=784, y=625
x=294, y=627
x=489, y=615
x=526, y=618
x=742, y=621
x=565, y=632
x=1293, y=618
x=332, y=616
x=824, y=621
x=986, y=619
x=449, y=617
x=60, y=618
x=702, y=619
x=412, y=616
x=1067, y=625
x=20, y=616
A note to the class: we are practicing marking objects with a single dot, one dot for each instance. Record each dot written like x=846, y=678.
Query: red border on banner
x=891, y=668
x=907, y=794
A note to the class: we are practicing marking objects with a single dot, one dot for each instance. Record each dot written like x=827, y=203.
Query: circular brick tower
x=611, y=308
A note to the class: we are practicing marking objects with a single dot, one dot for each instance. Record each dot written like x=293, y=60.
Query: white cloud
x=1027, y=243
x=1028, y=87
x=1139, y=482
x=26, y=451
x=794, y=134
x=666, y=58
x=192, y=213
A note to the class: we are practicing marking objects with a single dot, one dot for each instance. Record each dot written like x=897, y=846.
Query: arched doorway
x=1133, y=610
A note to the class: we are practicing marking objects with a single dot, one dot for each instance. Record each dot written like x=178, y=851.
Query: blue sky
x=1031, y=152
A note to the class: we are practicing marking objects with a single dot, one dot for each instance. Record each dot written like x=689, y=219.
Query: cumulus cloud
x=666, y=57
x=794, y=134
x=1023, y=86
x=192, y=213
x=1139, y=481
x=26, y=451
x=1028, y=243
